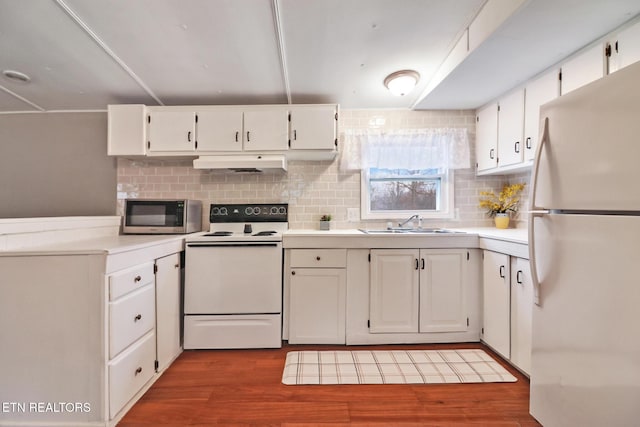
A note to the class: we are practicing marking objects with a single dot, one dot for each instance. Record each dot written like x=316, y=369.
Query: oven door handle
x=227, y=245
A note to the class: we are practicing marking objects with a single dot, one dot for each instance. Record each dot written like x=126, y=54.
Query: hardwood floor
x=243, y=388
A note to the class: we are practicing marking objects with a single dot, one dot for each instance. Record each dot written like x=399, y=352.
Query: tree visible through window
x=404, y=190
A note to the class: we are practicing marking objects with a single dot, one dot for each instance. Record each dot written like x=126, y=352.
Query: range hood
x=243, y=163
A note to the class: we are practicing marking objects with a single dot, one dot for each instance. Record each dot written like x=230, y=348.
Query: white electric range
x=233, y=278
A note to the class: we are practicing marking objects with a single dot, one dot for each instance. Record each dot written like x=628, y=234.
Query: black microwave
x=146, y=216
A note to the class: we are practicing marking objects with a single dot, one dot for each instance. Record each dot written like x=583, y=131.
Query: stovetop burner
x=265, y=233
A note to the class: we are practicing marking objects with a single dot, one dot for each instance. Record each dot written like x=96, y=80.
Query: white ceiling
x=86, y=54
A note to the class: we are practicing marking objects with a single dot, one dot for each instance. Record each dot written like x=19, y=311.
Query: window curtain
x=418, y=149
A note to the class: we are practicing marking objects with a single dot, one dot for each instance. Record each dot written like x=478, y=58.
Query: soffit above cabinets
x=84, y=55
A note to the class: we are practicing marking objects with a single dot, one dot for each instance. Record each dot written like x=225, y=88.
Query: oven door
x=233, y=278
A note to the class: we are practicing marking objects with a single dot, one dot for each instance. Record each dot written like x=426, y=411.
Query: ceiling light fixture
x=402, y=82
x=16, y=76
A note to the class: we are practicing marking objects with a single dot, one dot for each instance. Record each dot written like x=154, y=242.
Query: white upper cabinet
x=487, y=137
x=172, y=131
x=625, y=48
x=537, y=92
x=313, y=127
x=582, y=69
x=236, y=129
x=220, y=130
x=303, y=132
x=127, y=130
x=266, y=130
x=511, y=128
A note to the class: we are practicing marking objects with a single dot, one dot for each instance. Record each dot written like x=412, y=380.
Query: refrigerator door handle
x=536, y=212
x=536, y=167
x=532, y=254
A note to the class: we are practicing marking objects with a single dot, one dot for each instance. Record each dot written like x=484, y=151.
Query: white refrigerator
x=584, y=244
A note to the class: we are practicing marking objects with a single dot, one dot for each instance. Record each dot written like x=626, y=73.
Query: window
x=406, y=172
x=400, y=193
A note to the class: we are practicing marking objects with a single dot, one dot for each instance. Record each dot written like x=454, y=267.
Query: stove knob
x=282, y=210
x=215, y=211
x=256, y=211
x=273, y=211
x=223, y=211
x=248, y=211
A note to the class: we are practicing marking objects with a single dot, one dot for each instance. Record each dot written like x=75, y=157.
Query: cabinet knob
x=139, y=370
x=177, y=266
x=317, y=258
x=138, y=317
x=293, y=273
x=137, y=279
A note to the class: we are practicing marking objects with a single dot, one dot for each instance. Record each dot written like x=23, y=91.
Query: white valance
x=415, y=149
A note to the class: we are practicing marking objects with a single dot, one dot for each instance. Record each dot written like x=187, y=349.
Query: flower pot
x=502, y=220
x=325, y=225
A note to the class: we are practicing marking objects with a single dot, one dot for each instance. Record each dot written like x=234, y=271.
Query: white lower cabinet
x=88, y=325
x=521, y=313
x=508, y=304
x=418, y=290
x=168, y=292
x=317, y=296
x=130, y=371
x=496, y=297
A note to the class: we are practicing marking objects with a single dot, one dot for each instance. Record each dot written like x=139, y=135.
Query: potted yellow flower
x=499, y=206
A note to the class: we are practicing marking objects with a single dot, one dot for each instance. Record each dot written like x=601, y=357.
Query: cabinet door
x=487, y=137
x=538, y=92
x=220, y=130
x=126, y=130
x=313, y=127
x=168, y=280
x=497, y=301
x=317, y=306
x=521, y=313
x=511, y=129
x=625, y=49
x=172, y=131
x=443, y=275
x=582, y=69
x=266, y=130
x=394, y=290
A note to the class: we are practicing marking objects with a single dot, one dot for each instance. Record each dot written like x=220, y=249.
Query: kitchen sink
x=411, y=231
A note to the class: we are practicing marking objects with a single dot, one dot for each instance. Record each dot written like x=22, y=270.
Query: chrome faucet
x=401, y=224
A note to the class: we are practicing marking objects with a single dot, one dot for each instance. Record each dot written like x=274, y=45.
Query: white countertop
x=510, y=241
x=98, y=245
x=515, y=235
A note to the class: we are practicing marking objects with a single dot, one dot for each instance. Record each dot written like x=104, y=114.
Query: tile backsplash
x=312, y=188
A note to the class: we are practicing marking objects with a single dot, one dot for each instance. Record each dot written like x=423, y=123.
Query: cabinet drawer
x=130, y=372
x=323, y=258
x=130, y=317
x=131, y=279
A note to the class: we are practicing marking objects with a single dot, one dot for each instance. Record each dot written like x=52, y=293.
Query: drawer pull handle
x=177, y=266
x=318, y=258
x=139, y=370
x=138, y=317
x=293, y=273
x=137, y=279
